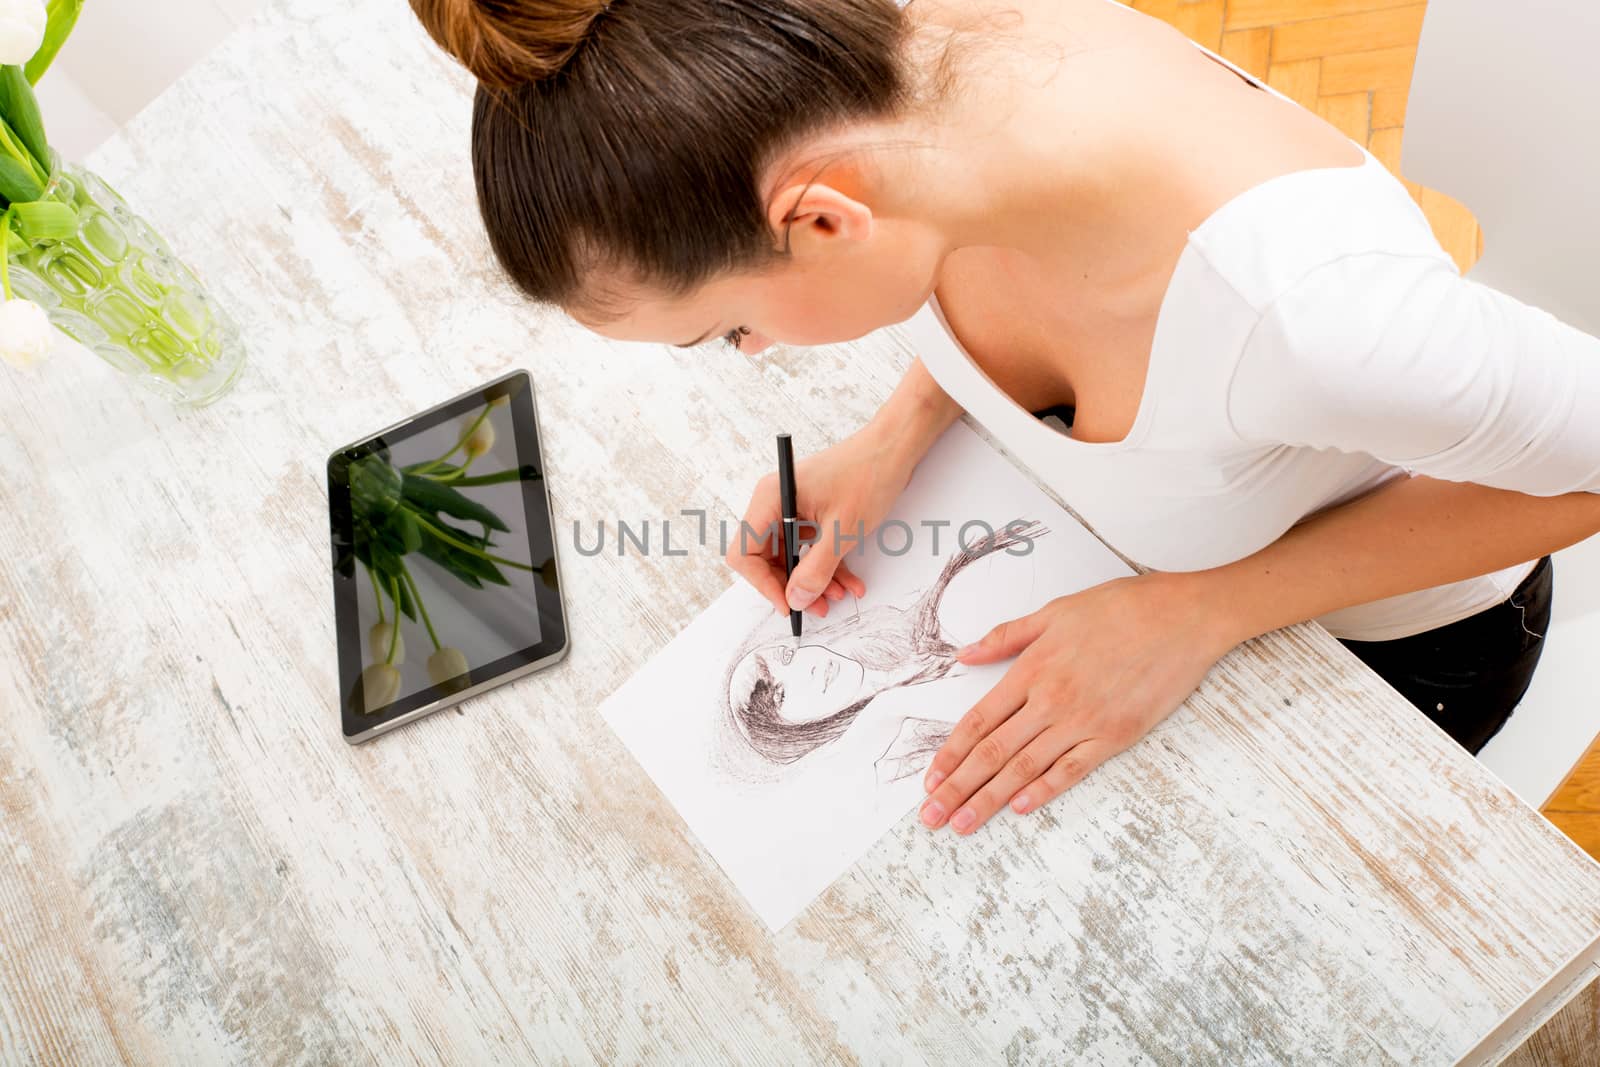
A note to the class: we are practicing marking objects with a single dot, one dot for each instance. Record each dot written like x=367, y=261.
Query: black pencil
x=791, y=535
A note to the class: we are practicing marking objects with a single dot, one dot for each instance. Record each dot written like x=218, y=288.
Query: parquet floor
x=1350, y=61
x=1576, y=806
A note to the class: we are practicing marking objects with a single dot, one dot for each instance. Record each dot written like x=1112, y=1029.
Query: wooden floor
x=1350, y=61
x=1576, y=806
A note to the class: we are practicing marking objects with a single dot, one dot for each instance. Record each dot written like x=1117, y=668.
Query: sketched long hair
x=882, y=637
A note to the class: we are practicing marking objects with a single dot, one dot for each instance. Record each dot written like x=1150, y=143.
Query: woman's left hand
x=1095, y=671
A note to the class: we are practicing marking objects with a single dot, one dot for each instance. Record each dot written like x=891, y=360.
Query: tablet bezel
x=358, y=725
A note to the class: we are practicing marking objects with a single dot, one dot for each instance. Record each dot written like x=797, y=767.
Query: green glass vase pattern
x=118, y=289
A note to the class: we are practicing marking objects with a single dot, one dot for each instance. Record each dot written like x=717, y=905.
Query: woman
x=787, y=699
x=1257, y=334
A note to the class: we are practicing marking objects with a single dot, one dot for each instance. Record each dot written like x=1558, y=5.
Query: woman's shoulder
x=1268, y=238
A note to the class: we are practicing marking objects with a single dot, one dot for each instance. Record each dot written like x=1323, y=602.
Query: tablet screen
x=444, y=565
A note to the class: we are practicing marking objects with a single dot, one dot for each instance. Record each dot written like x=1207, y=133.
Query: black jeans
x=1467, y=676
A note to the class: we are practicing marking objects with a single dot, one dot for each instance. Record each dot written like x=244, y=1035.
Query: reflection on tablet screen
x=444, y=584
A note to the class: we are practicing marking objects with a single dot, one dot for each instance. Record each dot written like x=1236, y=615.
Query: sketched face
x=787, y=700
x=790, y=699
x=803, y=683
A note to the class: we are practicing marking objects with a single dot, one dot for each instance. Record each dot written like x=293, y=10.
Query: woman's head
x=664, y=169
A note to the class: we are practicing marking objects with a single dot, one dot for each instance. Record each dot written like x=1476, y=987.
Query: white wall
x=122, y=54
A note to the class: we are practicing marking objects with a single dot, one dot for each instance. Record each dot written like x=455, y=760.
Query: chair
x=1504, y=115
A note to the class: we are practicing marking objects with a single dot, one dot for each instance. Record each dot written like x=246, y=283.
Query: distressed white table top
x=194, y=867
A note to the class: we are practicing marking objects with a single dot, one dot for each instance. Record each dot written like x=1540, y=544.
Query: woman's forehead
x=643, y=314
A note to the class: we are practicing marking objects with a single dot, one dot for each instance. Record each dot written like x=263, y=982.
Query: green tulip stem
x=377, y=594
x=446, y=479
x=394, y=635
x=468, y=432
x=5, y=256
x=510, y=474
x=463, y=546
x=416, y=595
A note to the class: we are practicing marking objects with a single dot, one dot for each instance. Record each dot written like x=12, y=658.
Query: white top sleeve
x=1399, y=357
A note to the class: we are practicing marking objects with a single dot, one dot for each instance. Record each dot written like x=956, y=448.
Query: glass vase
x=118, y=289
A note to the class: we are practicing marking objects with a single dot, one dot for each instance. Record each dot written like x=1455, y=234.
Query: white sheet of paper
x=784, y=824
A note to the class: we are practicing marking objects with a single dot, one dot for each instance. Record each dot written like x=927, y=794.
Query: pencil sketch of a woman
x=787, y=698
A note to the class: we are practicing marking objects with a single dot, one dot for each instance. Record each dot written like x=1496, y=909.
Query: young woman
x=1285, y=399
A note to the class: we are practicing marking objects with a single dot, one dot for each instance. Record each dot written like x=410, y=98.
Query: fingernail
x=962, y=821
x=964, y=649
x=1019, y=804
x=932, y=813
x=931, y=782
x=800, y=599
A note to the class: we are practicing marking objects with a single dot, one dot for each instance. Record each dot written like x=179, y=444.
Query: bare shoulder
x=1150, y=136
x=1159, y=114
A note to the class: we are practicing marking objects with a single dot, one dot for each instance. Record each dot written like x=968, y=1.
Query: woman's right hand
x=853, y=484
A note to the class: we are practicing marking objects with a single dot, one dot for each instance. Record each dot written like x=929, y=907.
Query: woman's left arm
x=1413, y=533
x=1401, y=359
x=1097, y=670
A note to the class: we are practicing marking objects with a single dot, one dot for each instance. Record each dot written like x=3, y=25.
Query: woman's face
x=848, y=272
x=816, y=681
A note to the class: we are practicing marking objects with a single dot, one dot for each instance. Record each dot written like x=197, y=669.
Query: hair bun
x=506, y=43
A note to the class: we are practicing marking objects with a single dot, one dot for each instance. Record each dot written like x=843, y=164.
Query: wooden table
x=194, y=867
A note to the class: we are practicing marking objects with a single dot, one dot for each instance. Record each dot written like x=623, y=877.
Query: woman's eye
x=734, y=336
x=786, y=656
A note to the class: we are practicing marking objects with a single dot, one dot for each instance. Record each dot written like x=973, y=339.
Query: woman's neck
x=1025, y=148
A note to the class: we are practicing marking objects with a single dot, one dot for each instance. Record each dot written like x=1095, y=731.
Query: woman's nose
x=753, y=342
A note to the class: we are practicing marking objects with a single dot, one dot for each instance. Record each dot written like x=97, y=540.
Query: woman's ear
x=814, y=212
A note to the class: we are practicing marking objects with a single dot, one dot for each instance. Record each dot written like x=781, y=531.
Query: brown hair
x=632, y=134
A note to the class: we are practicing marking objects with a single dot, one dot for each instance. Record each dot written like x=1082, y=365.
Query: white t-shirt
x=1314, y=342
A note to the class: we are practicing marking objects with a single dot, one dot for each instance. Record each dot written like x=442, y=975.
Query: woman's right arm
x=916, y=414
x=848, y=488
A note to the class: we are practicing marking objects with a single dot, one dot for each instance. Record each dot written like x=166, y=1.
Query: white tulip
x=448, y=669
x=380, y=684
x=22, y=24
x=378, y=644
x=26, y=336
x=480, y=440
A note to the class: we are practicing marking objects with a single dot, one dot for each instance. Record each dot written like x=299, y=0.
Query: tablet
x=444, y=560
